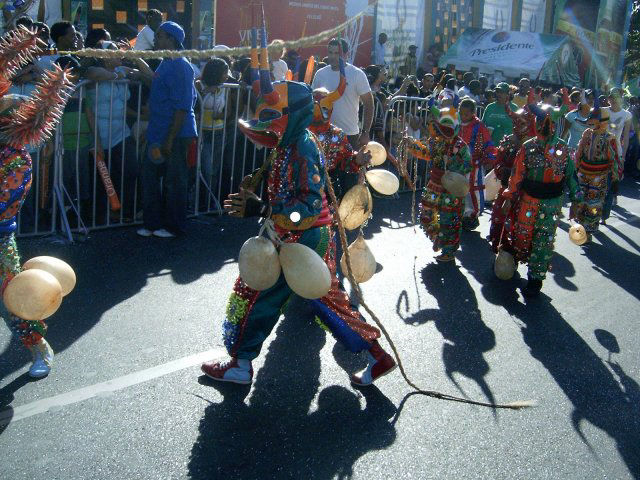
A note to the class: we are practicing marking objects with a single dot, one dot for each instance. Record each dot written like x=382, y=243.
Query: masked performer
x=541, y=171
x=523, y=130
x=24, y=120
x=597, y=157
x=483, y=156
x=441, y=211
x=297, y=205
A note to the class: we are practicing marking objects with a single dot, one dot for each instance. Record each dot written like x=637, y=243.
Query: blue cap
x=175, y=30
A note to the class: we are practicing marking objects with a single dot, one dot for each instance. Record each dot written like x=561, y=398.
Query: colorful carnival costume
x=23, y=120
x=523, y=129
x=597, y=157
x=298, y=207
x=542, y=169
x=483, y=156
x=441, y=212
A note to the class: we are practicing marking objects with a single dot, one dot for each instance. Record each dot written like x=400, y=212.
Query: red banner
x=291, y=20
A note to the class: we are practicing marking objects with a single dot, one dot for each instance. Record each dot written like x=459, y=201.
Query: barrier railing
x=106, y=122
x=103, y=131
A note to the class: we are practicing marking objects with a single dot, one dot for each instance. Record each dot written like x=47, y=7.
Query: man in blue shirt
x=171, y=133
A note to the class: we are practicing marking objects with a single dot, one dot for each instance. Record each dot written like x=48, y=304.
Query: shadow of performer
x=458, y=319
x=596, y=394
x=276, y=435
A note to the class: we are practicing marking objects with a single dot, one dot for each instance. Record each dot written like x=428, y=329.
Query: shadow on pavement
x=113, y=266
x=458, y=319
x=605, y=400
x=281, y=432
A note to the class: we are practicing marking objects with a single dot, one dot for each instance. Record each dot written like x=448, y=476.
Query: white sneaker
x=42, y=360
x=144, y=232
x=232, y=370
x=162, y=233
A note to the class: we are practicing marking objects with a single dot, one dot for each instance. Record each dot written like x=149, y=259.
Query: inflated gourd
x=355, y=207
x=305, y=271
x=259, y=263
x=363, y=263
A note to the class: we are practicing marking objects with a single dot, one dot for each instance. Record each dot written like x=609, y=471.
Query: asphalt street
x=126, y=398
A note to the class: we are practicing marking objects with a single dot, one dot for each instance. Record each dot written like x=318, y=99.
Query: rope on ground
x=214, y=52
x=429, y=393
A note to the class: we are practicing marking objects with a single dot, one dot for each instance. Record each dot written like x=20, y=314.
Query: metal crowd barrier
x=68, y=194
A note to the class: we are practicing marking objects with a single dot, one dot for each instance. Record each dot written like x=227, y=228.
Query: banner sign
x=514, y=54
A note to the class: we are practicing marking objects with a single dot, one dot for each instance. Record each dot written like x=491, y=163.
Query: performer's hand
x=245, y=204
x=506, y=206
x=362, y=157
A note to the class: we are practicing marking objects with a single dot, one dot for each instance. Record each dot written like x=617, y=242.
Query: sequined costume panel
x=15, y=182
x=506, y=155
x=296, y=185
x=483, y=158
x=440, y=211
x=548, y=167
x=597, y=158
x=252, y=315
x=338, y=152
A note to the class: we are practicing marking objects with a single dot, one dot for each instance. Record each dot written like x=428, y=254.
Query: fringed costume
x=542, y=169
x=597, y=157
x=483, y=157
x=440, y=211
x=523, y=129
x=297, y=205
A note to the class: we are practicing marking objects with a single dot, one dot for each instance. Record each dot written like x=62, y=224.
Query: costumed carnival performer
x=297, y=205
x=24, y=121
x=441, y=211
x=542, y=169
x=483, y=156
x=597, y=159
x=523, y=130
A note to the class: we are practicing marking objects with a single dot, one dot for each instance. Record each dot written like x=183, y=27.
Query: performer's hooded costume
x=441, y=211
x=542, y=169
x=523, y=129
x=298, y=207
x=483, y=157
x=23, y=120
x=597, y=159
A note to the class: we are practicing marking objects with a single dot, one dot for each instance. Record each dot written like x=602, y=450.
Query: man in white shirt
x=465, y=91
x=279, y=67
x=144, y=40
x=379, y=50
x=345, y=110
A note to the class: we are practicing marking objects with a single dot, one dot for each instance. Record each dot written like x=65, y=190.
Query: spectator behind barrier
x=170, y=136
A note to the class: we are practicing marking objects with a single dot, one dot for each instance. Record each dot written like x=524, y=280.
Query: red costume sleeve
x=517, y=175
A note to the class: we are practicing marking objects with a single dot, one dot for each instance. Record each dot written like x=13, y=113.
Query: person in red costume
x=483, y=156
x=523, y=130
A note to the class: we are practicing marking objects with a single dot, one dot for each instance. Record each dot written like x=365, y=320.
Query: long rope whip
x=429, y=393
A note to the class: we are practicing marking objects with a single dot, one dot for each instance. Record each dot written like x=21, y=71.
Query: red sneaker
x=380, y=364
x=232, y=370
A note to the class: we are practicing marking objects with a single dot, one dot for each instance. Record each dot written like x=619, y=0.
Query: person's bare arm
x=367, y=117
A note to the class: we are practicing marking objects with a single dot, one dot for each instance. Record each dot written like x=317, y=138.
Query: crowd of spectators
x=145, y=120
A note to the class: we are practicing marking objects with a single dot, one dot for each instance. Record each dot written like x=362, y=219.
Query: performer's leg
x=335, y=313
x=542, y=247
x=450, y=226
x=30, y=333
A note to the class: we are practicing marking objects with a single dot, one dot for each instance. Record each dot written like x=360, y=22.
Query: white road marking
x=11, y=414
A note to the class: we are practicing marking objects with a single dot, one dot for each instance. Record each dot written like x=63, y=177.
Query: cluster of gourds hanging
x=262, y=260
